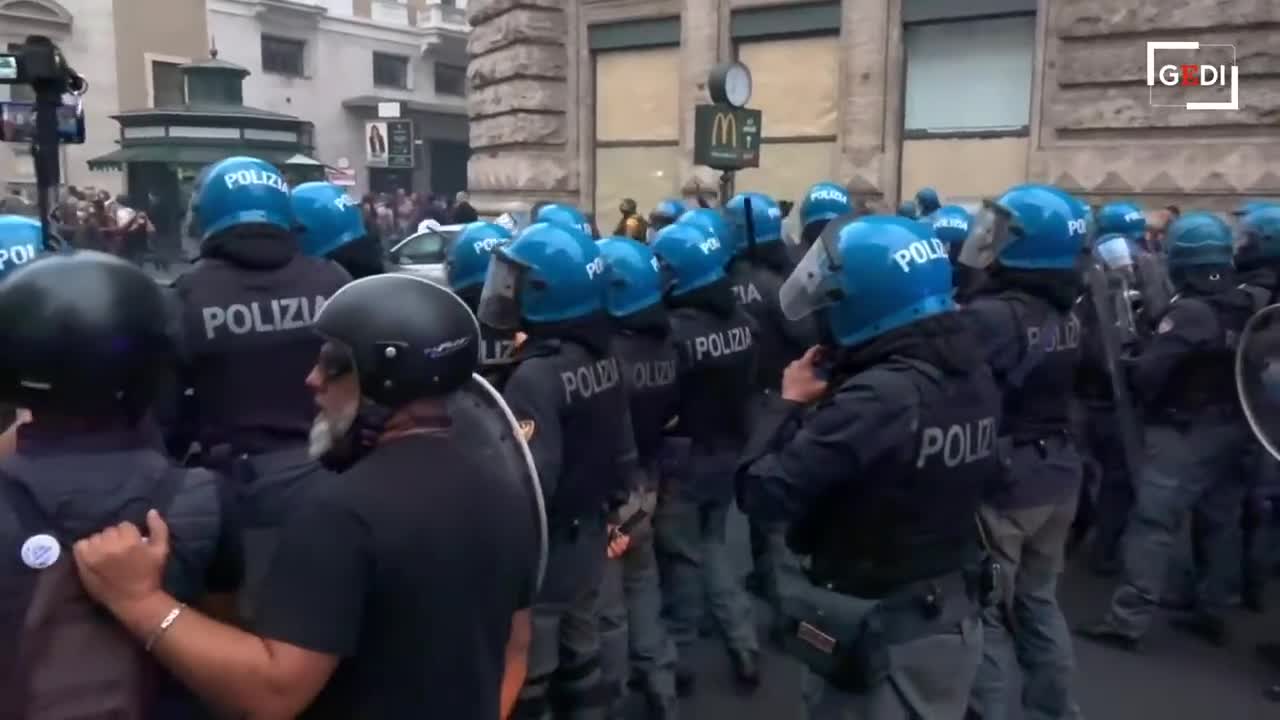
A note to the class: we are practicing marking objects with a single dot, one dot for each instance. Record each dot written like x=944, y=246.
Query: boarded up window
x=637, y=128
x=964, y=169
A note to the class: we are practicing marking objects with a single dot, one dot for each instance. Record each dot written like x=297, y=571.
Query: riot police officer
x=466, y=264
x=631, y=597
x=822, y=203
x=566, y=215
x=1030, y=239
x=1257, y=262
x=1195, y=436
x=717, y=347
x=880, y=470
x=951, y=225
x=927, y=202
x=567, y=393
x=246, y=312
x=331, y=226
x=663, y=214
x=85, y=350
x=21, y=242
x=761, y=263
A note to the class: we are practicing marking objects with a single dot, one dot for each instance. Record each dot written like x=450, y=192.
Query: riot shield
x=1109, y=299
x=1154, y=285
x=482, y=417
x=1258, y=376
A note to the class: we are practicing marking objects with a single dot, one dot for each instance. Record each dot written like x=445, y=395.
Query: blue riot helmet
x=869, y=275
x=1257, y=238
x=951, y=225
x=766, y=221
x=548, y=273
x=665, y=213
x=327, y=217
x=1029, y=227
x=21, y=241
x=927, y=201
x=239, y=192
x=822, y=203
x=469, y=254
x=1122, y=218
x=712, y=224
x=561, y=214
x=908, y=210
x=693, y=257
x=635, y=276
x=1198, y=240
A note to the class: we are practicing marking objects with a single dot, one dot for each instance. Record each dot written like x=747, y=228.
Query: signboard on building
x=726, y=138
x=389, y=143
x=400, y=143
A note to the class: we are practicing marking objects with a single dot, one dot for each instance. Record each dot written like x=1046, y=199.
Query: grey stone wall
x=1099, y=134
x=518, y=101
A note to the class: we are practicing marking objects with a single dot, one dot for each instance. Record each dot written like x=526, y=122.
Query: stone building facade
x=586, y=100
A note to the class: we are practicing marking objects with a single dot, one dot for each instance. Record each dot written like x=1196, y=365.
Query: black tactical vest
x=248, y=347
x=717, y=373
x=756, y=288
x=910, y=515
x=1037, y=400
x=594, y=428
x=1205, y=377
x=649, y=367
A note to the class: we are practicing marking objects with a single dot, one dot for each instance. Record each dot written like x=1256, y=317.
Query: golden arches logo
x=724, y=130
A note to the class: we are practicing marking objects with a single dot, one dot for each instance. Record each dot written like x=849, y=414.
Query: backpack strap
x=20, y=589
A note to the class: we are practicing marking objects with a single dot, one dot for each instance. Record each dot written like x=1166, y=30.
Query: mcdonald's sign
x=726, y=138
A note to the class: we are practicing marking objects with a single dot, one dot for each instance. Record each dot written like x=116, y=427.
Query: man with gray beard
x=400, y=587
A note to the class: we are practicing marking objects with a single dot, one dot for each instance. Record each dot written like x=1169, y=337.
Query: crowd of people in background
x=398, y=215
x=135, y=227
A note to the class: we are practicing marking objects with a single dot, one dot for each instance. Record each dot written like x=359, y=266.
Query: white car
x=424, y=252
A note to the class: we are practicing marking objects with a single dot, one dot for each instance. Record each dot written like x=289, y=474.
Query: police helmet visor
x=508, y=222
x=815, y=282
x=991, y=231
x=1114, y=253
x=500, y=299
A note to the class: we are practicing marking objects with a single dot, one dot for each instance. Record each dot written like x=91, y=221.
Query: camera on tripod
x=39, y=63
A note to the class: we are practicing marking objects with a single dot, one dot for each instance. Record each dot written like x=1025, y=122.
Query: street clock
x=730, y=84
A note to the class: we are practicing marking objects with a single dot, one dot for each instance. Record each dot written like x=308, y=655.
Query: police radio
x=56, y=117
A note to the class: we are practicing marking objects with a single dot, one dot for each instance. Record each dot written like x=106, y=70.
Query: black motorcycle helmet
x=408, y=338
x=83, y=334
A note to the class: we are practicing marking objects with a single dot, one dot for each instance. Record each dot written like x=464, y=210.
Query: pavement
x=1174, y=678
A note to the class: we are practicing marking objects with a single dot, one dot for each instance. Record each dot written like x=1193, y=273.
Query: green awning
x=188, y=155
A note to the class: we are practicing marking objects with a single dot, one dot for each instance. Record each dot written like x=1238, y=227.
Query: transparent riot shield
x=1109, y=298
x=1258, y=376
x=482, y=418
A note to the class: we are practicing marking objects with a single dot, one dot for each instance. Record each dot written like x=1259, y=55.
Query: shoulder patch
x=527, y=428
x=1165, y=325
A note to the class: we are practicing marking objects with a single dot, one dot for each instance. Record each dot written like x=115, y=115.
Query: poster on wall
x=375, y=143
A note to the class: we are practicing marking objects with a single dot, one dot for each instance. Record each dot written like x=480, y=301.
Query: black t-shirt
x=408, y=567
